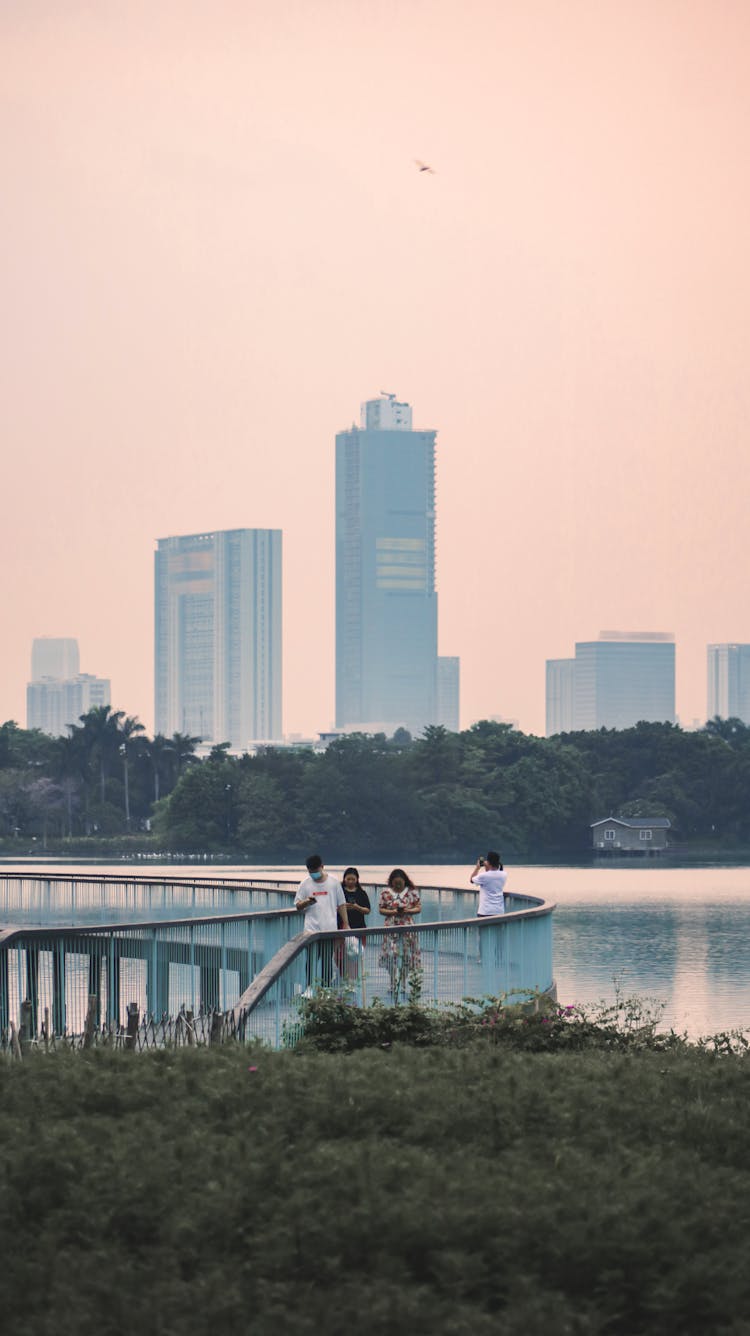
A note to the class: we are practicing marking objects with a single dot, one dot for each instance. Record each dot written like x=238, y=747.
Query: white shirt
x=491, y=898
x=321, y=917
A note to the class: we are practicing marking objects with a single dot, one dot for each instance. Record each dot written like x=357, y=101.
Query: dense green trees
x=101, y=779
x=444, y=795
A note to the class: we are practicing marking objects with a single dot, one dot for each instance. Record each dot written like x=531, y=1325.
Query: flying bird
x=424, y=167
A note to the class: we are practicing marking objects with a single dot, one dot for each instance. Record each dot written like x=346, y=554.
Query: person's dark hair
x=399, y=872
x=493, y=861
x=314, y=863
x=346, y=872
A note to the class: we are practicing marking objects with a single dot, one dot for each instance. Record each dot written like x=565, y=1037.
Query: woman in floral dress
x=399, y=902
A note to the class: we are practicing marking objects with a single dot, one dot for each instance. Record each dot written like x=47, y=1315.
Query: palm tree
x=159, y=749
x=127, y=729
x=101, y=727
x=184, y=747
x=70, y=767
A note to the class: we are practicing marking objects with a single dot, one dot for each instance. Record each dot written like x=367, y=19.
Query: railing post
x=32, y=982
x=4, y=992
x=95, y=977
x=58, y=986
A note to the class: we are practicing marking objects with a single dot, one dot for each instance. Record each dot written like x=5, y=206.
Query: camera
x=480, y=861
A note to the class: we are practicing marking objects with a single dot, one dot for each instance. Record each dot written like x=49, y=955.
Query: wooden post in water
x=92, y=1015
x=132, y=1030
x=27, y=1020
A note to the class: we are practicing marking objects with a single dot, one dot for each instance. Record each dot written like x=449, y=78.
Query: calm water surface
x=678, y=935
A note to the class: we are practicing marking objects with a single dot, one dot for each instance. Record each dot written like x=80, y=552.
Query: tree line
x=103, y=778
x=440, y=796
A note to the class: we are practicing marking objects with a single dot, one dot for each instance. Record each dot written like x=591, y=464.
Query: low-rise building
x=643, y=835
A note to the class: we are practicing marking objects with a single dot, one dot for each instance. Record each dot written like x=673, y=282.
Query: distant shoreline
x=142, y=858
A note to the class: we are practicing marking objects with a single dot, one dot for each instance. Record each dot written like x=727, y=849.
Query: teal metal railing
x=76, y=900
x=162, y=968
x=434, y=964
x=67, y=971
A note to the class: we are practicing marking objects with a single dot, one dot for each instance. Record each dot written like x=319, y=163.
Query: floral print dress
x=401, y=947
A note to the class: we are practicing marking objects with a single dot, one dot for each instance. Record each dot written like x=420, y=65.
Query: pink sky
x=215, y=244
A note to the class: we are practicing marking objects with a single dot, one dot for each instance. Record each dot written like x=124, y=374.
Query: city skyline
x=217, y=241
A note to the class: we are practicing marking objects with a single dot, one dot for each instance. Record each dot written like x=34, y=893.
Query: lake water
x=677, y=935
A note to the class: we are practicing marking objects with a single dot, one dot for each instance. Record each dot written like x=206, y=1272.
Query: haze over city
x=218, y=242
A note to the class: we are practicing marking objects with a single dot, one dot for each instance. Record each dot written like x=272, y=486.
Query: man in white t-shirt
x=490, y=877
x=322, y=898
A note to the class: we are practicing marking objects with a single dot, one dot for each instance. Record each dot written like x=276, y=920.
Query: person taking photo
x=489, y=877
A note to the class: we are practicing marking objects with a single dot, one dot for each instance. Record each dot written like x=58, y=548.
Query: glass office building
x=624, y=677
x=386, y=603
x=613, y=682
x=218, y=636
x=729, y=682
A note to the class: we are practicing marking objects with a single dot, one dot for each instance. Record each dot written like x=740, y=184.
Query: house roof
x=636, y=822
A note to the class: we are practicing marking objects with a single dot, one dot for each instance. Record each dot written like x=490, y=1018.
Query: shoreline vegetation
x=516, y=1170
x=109, y=790
x=149, y=853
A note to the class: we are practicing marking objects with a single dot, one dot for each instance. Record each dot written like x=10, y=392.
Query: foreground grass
x=462, y=1191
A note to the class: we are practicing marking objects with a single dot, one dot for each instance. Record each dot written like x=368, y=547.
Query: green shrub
x=437, y=1191
x=330, y=1023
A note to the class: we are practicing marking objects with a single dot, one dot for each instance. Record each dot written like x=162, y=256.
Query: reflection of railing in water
x=201, y=965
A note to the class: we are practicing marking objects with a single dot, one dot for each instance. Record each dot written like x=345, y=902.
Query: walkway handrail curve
x=279, y=962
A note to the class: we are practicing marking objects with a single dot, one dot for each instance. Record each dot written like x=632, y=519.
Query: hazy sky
x=215, y=244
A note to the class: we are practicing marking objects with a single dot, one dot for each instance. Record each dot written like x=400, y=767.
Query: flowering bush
x=329, y=1022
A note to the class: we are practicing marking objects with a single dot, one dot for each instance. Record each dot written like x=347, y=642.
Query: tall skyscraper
x=218, y=635
x=615, y=681
x=560, y=696
x=729, y=682
x=386, y=604
x=54, y=656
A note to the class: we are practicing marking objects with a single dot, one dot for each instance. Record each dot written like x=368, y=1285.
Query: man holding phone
x=322, y=898
x=489, y=876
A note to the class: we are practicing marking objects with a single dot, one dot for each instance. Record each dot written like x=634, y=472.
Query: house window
x=646, y=834
x=609, y=834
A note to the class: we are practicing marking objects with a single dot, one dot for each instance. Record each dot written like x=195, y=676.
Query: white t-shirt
x=491, y=883
x=321, y=917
